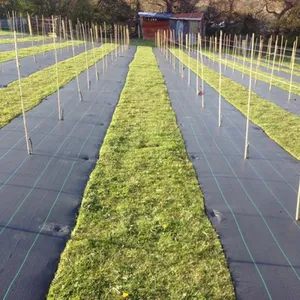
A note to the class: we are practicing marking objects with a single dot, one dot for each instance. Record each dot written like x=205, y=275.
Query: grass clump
x=23, y=52
x=142, y=232
x=279, y=124
x=43, y=83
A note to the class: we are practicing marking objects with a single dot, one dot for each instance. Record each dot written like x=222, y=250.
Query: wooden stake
x=30, y=32
x=189, y=58
x=75, y=62
x=60, y=113
x=298, y=204
x=220, y=81
x=197, y=68
x=94, y=53
x=244, y=43
x=86, y=60
x=273, y=65
x=283, y=55
x=292, y=66
x=246, y=152
x=28, y=141
x=202, y=72
x=102, y=50
x=261, y=44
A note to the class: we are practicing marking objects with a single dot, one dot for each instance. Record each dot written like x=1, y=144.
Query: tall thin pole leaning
x=246, y=152
x=75, y=62
x=86, y=59
x=94, y=53
x=298, y=204
x=220, y=81
x=273, y=65
x=60, y=112
x=292, y=66
x=28, y=141
x=30, y=32
x=202, y=73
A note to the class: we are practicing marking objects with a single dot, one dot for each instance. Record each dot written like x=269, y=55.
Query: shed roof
x=167, y=16
x=188, y=16
x=161, y=16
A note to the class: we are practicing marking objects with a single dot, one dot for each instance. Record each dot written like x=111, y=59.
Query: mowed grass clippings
x=43, y=83
x=142, y=232
x=279, y=124
x=23, y=52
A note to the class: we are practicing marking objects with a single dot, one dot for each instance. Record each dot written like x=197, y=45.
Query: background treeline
x=263, y=17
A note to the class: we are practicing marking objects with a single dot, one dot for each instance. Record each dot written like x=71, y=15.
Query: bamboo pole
x=189, y=58
x=37, y=25
x=234, y=52
x=246, y=153
x=75, y=62
x=202, y=72
x=94, y=54
x=273, y=65
x=281, y=52
x=244, y=43
x=28, y=141
x=283, y=55
x=105, y=41
x=292, y=66
x=298, y=204
x=259, y=58
x=197, y=67
x=220, y=81
x=86, y=60
x=30, y=32
x=102, y=49
x=269, y=50
x=60, y=112
x=43, y=32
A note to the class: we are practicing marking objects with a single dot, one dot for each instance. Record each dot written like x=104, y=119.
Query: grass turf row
x=24, y=40
x=43, y=83
x=280, y=82
x=280, y=125
x=23, y=52
x=142, y=232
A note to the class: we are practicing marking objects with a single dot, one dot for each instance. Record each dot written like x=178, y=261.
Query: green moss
x=142, y=227
x=280, y=125
x=43, y=83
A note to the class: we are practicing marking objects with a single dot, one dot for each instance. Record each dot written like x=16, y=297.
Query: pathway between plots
x=251, y=204
x=276, y=95
x=40, y=194
x=8, y=70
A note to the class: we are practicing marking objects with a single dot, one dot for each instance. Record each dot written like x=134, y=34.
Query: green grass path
x=280, y=125
x=142, y=232
x=43, y=83
x=23, y=52
x=24, y=40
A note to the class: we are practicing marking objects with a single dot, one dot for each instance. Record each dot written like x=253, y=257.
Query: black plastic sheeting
x=251, y=204
x=40, y=194
x=276, y=95
x=8, y=70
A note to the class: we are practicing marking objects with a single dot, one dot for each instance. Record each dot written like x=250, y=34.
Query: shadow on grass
x=138, y=42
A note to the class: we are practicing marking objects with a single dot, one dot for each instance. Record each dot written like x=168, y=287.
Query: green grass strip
x=280, y=82
x=43, y=83
x=23, y=40
x=23, y=52
x=6, y=33
x=142, y=232
x=280, y=125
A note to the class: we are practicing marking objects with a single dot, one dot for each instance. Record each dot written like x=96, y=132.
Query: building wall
x=150, y=27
